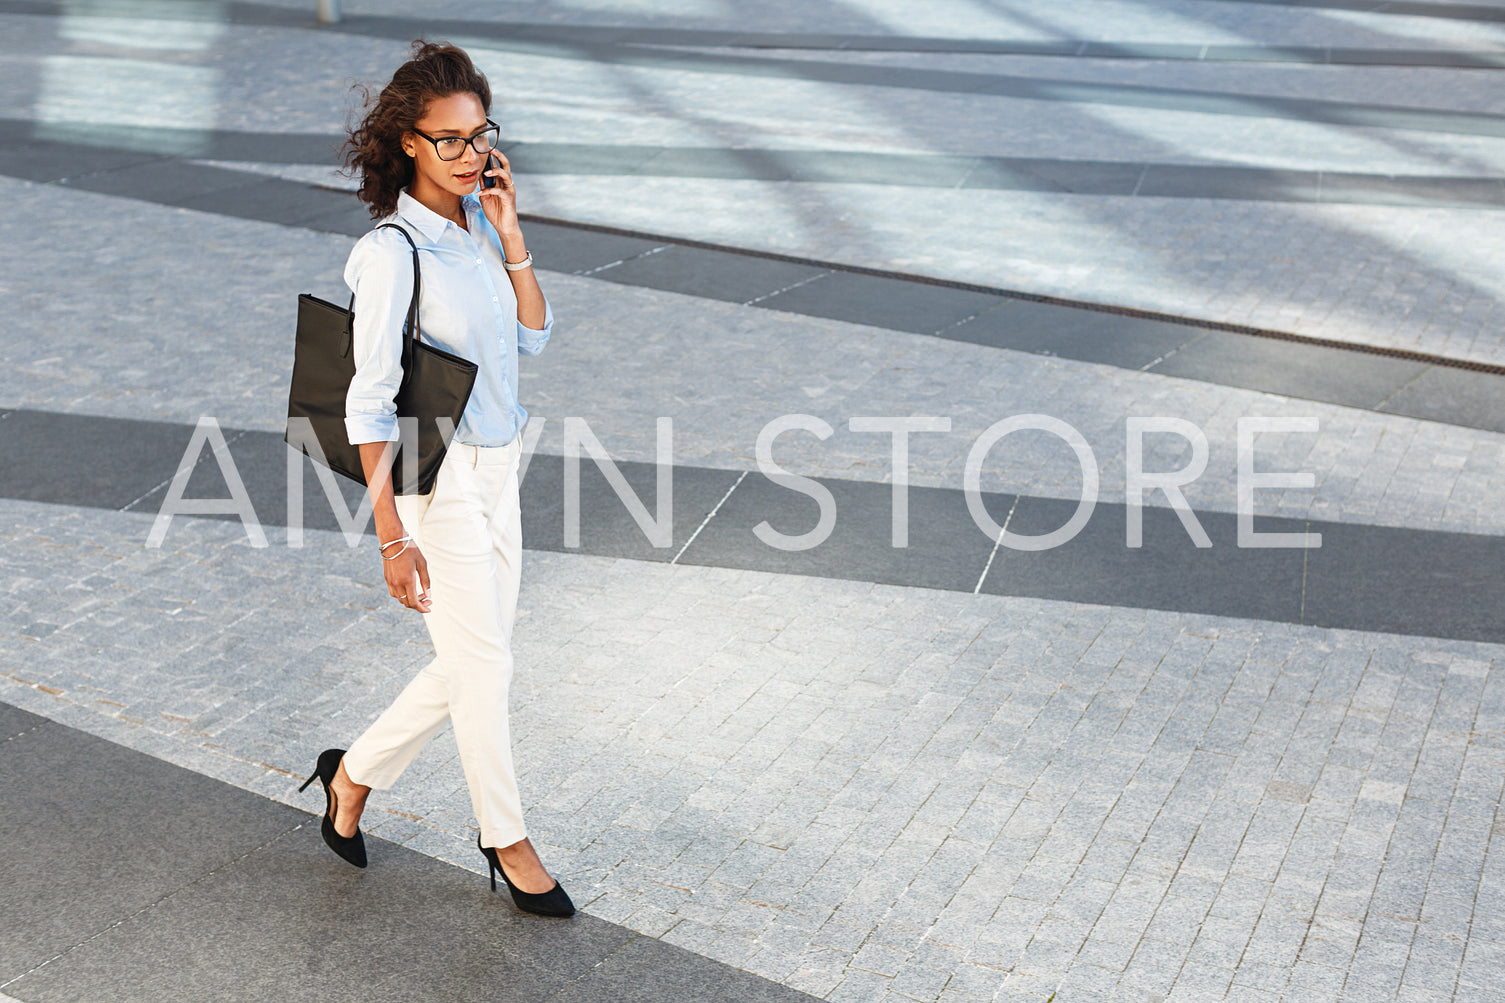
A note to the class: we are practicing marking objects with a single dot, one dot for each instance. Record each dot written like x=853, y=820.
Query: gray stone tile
x=1082, y=176
x=579, y=158
x=606, y=525
x=647, y=970
x=736, y=278
x=567, y=249
x=1097, y=566
x=1456, y=396
x=945, y=549
x=40, y=160
x=269, y=924
x=271, y=201
x=1469, y=193
x=1452, y=582
x=168, y=182
x=862, y=167
x=882, y=302
x=350, y=217
x=261, y=461
x=1310, y=371
x=14, y=722
x=1070, y=333
x=68, y=797
x=1169, y=180
x=270, y=147
x=1412, y=57
x=69, y=458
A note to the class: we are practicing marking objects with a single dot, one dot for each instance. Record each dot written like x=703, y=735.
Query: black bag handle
x=410, y=326
x=410, y=329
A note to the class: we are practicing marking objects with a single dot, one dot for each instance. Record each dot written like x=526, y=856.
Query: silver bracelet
x=392, y=543
x=517, y=266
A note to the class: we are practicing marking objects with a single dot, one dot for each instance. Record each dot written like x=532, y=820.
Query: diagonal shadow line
x=944, y=81
x=257, y=15
x=980, y=84
x=1319, y=55
x=911, y=170
x=940, y=81
x=1399, y=8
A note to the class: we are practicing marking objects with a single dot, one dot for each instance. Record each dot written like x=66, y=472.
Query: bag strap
x=411, y=327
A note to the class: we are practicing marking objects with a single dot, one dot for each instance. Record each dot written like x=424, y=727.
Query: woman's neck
x=446, y=204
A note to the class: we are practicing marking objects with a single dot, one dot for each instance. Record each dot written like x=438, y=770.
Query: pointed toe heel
x=351, y=849
x=554, y=902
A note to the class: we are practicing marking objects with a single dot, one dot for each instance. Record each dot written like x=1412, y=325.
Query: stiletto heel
x=553, y=902
x=351, y=849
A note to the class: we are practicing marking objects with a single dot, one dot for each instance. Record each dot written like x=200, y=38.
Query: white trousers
x=469, y=529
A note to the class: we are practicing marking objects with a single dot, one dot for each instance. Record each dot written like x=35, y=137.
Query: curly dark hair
x=374, y=149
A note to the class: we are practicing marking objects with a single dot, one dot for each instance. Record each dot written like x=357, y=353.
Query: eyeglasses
x=453, y=147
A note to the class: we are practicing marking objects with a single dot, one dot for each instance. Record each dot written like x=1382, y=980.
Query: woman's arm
x=530, y=302
x=402, y=565
x=500, y=206
x=380, y=274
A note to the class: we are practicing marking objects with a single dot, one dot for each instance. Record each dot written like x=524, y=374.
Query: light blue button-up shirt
x=466, y=306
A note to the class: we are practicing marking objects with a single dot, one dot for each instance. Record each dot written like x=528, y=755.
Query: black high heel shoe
x=553, y=902
x=352, y=849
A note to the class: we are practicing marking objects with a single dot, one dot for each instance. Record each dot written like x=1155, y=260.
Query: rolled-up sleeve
x=380, y=273
x=531, y=342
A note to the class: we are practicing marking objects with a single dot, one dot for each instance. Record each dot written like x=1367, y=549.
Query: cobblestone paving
x=866, y=792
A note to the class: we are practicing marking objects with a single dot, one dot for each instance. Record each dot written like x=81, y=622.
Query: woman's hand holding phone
x=500, y=206
x=498, y=195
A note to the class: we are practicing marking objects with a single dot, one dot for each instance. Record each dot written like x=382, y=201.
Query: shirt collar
x=429, y=222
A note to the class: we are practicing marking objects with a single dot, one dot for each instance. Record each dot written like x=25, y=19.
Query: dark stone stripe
x=257, y=14
x=1403, y=8
x=1032, y=174
x=169, y=910
x=1326, y=55
x=1434, y=584
x=1025, y=88
x=41, y=153
x=1416, y=386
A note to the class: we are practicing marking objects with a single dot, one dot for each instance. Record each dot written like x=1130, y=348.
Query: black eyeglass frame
x=468, y=141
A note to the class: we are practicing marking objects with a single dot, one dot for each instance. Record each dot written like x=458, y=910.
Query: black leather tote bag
x=435, y=387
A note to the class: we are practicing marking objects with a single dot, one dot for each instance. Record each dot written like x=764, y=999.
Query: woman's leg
x=385, y=749
x=473, y=546
x=518, y=858
x=470, y=532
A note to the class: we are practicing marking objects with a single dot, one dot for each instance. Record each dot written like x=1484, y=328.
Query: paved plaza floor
x=913, y=761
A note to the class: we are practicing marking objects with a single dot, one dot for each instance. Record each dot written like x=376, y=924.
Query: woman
x=453, y=555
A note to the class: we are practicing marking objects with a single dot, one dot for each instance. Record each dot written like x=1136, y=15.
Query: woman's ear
x=408, y=146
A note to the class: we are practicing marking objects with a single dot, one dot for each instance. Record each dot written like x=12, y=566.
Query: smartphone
x=487, y=181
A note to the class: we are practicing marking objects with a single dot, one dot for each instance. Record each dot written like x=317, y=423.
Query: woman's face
x=456, y=115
